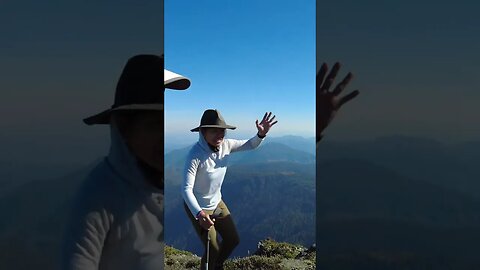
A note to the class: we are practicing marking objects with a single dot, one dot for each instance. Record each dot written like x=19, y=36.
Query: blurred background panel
x=397, y=179
x=60, y=63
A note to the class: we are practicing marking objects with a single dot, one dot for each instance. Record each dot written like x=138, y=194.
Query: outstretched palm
x=329, y=102
x=264, y=126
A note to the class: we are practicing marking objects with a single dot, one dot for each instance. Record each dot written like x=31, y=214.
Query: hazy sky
x=244, y=58
x=60, y=62
x=417, y=65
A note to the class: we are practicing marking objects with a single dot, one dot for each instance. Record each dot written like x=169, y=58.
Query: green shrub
x=254, y=262
x=270, y=248
x=171, y=251
x=180, y=260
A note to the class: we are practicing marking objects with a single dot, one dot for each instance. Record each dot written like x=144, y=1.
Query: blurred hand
x=329, y=102
x=205, y=221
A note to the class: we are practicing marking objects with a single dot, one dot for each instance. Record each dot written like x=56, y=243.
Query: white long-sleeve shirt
x=205, y=170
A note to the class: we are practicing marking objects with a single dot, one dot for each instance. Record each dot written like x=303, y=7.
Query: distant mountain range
x=296, y=142
x=272, y=150
x=352, y=188
x=365, y=244
x=452, y=166
x=397, y=203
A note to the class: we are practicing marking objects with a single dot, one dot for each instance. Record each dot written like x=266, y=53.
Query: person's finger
x=331, y=77
x=264, y=117
x=347, y=98
x=274, y=123
x=321, y=75
x=256, y=123
x=210, y=222
x=207, y=222
x=203, y=224
x=339, y=88
x=271, y=120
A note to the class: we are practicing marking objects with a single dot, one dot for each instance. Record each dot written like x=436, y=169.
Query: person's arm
x=190, y=172
x=84, y=240
x=191, y=166
x=262, y=129
x=329, y=102
x=244, y=145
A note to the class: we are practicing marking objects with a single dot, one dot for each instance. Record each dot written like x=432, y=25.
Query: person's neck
x=214, y=148
x=152, y=175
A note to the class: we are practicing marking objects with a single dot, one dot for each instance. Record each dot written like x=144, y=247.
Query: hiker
x=205, y=169
x=117, y=219
x=329, y=102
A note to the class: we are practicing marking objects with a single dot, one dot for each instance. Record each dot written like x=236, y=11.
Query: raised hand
x=329, y=102
x=264, y=126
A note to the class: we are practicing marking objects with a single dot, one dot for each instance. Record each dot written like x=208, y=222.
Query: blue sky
x=243, y=58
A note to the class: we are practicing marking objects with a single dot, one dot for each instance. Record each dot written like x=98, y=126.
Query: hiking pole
x=217, y=213
x=208, y=249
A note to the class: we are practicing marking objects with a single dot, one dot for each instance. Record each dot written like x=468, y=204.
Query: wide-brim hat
x=140, y=87
x=212, y=119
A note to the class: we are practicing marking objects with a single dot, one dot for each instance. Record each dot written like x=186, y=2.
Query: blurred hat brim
x=104, y=117
x=175, y=81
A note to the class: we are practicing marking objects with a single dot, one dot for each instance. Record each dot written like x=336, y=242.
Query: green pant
x=219, y=251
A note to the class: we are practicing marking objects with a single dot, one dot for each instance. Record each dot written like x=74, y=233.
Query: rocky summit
x=270, y=255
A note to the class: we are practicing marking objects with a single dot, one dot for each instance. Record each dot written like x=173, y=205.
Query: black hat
x=212, y=118
x=140, y=87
